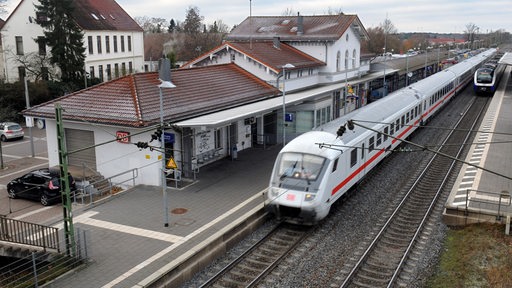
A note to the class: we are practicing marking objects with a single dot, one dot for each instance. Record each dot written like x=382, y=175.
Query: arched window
x=346, y=60
x=354, y=58
x=338, y=61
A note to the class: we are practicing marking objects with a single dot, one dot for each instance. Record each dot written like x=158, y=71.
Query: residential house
x=113, y=40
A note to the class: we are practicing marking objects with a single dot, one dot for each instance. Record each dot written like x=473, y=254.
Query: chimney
x=164, y=69
x=300, y=24
x=277, y=43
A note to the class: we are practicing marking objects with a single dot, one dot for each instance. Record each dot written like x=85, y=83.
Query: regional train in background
x=316, y=168
x=487, y=78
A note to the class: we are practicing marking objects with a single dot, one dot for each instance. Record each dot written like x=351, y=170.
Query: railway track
x=380, y=265
x=260, y=259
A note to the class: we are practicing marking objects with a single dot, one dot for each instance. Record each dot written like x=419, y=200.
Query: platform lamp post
x=284, y=67
x=384, y=83
x=164, y=84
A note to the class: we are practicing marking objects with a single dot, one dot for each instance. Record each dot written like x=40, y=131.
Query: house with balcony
x=113, y=40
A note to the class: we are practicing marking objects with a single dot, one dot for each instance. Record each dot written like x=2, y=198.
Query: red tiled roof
x=134, y=100
x=108, y=15
x=321, y=27
x=276, y=57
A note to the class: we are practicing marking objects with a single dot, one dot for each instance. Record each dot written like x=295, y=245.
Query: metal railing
x=29, y=268
x=490, y=199
x=21, y=232
x=99, y=189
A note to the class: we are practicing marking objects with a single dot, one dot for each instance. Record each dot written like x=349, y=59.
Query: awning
x=506, y=59
x=226, y=117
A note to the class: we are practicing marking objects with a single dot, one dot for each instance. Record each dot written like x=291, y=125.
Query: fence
x=34, y=268
x=21, y=232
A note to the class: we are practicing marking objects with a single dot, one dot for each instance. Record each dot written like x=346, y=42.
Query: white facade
x=21, y=29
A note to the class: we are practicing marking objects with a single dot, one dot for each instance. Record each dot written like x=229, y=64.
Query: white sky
x=440, y=16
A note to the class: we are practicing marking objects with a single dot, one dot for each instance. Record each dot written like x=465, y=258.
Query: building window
x=98, y=42
x=115, y=43
x=130, y=67
x=100, y=72
x=354, y=58
x=116, y=70
x=44, y=73
x=218, y=139
x=123, y=68
x=21, y=72
x=338, y=61
x=129, y=43
x=41, y=42
x=122, y=43
x=89, y=43
x=346, y=60
x=109, y=73
x=107, y=44
x=91, y=72
x=19, y=45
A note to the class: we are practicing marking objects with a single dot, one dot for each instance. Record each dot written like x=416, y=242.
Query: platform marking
x=86, y=219
x=183, y=241
x=32, y=213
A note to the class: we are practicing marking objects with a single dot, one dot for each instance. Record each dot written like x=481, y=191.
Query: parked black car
x=41, y=185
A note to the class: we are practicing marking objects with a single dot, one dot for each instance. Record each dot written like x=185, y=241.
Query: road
x=17, y=160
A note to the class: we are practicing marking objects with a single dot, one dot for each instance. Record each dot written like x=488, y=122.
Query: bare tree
x=288, y=12
x=471, y=30
x=151, y=24
x=37, y=66
x=2, y=7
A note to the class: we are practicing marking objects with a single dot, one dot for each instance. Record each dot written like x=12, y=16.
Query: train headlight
x=309, y=197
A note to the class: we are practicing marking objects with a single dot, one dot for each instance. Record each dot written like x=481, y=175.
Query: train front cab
x=295, y=188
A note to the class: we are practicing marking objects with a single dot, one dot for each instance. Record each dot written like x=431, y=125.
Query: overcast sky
x=441, y=16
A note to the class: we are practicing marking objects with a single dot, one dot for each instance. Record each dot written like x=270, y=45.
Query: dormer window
x=94, y=16
x=112, y=16
x=285, y=22
x=102, y=17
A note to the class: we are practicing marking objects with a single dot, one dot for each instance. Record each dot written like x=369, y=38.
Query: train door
x=233, y=136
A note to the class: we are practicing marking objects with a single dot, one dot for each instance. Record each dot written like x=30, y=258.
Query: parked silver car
x=10, y=130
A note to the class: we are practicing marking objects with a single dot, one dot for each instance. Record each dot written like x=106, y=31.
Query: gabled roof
x=99, y=15
x=134, y=100
x=103, y=15
x=272, y=54
x=289, y=28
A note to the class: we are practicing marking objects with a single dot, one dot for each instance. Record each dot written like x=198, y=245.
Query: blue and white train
x=487, y=78
x=308, y=178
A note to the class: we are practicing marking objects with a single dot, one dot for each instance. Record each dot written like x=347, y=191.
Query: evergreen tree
x=172, y=26
x=64, y=37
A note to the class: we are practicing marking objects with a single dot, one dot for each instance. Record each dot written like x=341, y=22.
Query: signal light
x=341, y=130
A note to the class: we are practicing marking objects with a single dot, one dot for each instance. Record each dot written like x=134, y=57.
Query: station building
x=271, y=80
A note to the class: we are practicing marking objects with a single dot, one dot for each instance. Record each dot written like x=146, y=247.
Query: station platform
x=484, y=195
x=129, y=246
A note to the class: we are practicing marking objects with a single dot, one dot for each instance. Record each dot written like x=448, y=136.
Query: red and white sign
x=123, y=137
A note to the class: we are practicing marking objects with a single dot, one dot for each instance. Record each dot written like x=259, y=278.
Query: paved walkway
x=126, y=236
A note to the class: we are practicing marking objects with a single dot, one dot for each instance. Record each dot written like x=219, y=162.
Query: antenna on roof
x=250, y=24
x=164, y=69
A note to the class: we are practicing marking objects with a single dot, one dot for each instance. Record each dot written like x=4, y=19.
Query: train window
x=391, y=129
x=397, y=125
x=370, y=144
x=362, y=151
x=402, y=123
x=335, y=164
x=407, y=117
x=386, y=132
x=425, y=106
x=379, y=139
x=412, y=114
x=353, y=157
x=415, y=111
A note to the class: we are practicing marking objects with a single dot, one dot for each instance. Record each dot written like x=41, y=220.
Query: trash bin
x=234, y=153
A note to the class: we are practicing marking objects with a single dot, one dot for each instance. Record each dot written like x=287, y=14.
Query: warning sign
x=171, y=164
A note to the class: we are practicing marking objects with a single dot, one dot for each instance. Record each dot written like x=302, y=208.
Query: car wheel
x=44, y=200
x=12, y=193
x=3, y=138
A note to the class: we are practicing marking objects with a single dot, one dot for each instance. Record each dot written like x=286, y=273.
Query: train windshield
x=300, y=166
x=484, y=76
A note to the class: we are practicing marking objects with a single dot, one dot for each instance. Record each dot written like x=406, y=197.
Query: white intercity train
x=309, y=176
